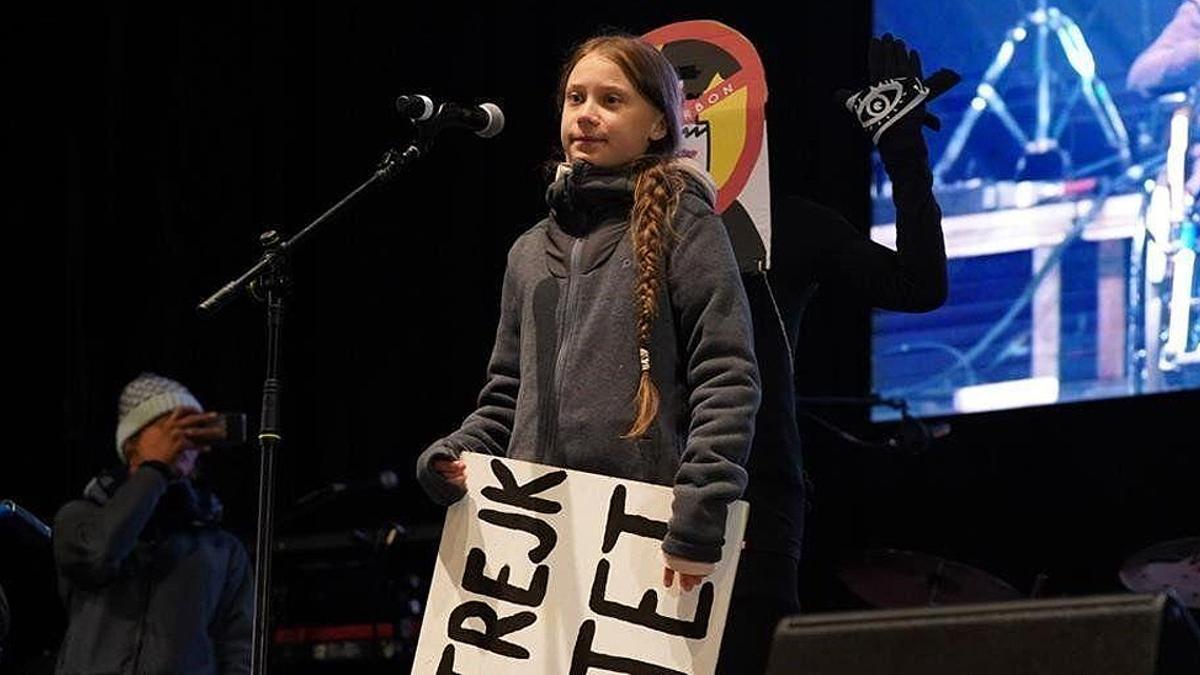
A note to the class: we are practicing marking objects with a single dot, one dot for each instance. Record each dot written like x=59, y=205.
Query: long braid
x=655, y=200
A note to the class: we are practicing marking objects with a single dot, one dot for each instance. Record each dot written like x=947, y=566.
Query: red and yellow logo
x=725, y=91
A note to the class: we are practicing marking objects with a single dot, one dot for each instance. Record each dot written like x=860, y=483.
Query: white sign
x=545, y=570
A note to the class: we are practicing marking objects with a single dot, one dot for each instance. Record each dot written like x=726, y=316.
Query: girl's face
x=605, y=120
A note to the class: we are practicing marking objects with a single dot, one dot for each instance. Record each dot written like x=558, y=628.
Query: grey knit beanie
x=144, y=400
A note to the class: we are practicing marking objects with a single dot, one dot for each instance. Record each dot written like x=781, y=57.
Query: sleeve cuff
x=439, y=489
x=681, y=549
x=166, y=470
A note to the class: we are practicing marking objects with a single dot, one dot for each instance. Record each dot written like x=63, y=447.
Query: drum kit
x=895, y=579
x=1171, y=567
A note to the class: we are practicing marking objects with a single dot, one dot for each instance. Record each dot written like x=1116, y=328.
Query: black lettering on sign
x=583, y=658
x=522, y=496
x=545, y=534
x=494, y=629
x=645, y=615
x=446, y=665
x=475, y=581
x=619, y=521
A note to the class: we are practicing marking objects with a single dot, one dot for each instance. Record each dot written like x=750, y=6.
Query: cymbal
x=1171, y=564
x=891, y=578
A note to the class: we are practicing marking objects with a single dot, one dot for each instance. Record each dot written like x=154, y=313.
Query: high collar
x=584, y=196
x=590, y=208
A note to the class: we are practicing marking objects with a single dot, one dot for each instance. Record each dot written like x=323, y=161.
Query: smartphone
x=233, y=426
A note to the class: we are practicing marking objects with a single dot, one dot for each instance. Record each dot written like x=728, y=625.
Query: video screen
x=1066, y=168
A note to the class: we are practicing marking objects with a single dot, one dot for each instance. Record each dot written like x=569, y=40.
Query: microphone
x=417, y=107
x=485, y=119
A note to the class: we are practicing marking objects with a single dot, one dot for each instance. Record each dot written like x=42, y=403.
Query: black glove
x=896, y=98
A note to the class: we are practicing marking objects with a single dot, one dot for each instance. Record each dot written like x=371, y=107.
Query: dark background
x=155, y=142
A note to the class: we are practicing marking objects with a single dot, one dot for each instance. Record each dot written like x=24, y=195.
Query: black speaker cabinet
x=1101, y=635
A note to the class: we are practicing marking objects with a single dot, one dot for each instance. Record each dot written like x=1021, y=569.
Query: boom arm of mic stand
x=391, y=162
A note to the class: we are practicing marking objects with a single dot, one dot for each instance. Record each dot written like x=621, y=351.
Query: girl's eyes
x=576, y=98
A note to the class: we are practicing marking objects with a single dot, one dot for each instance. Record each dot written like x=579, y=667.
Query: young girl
x=624, y=346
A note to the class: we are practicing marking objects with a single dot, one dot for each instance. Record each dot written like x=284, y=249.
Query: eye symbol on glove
x=877, y=102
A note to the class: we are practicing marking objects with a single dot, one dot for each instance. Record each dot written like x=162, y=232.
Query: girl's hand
x=452, y=471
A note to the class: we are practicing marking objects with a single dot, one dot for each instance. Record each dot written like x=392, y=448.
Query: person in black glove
x=151, y=583
x=897, y=95
x=810, y=245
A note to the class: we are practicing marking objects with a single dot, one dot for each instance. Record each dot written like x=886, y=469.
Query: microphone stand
x=267, y=281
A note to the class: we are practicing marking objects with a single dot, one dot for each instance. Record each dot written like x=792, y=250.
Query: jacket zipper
x=566, y=331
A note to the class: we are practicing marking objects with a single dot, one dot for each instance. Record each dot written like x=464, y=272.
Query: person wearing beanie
x=150, y=581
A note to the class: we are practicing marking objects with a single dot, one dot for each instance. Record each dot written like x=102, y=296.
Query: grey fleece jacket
x=564, y=370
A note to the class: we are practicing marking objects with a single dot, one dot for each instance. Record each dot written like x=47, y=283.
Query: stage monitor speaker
x=1100, y=635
